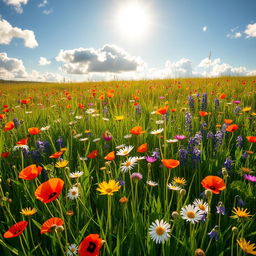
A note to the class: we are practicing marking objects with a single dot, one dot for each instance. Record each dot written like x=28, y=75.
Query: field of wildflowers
x=128, y=168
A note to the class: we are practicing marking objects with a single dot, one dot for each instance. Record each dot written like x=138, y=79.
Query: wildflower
x=51, y=225
x=151, y=159
x=247, y=247
x=179, y=181
x=180, y=137
x=156, y=153
x=173, y=187
x=30, y=172
x=5, y=154
x=204, y=101
x=250, y=177
x=72, y=249
x=203, y=206
x=223, y=96
x=119, y=118
x=107, y=136
x=110, y=156
x=136, y=176
x=240, y=213
x=199, y=252
x=123, y=200
x=34, y=130
x=191, y=213
x=172, y=141
x=152, y=183
x=9, y=126
x=159, y=231
x=90, y=111
x=16, y=229
x=159, y=121
x=93, y=154
x=125, y=151
x=128, y=164
x=220, y=209
x=239, y=141
x=188, y=121
x=49, y=190
x=183, y=153
x=170, y=163
x=61, y=164
x=157, y=132
x=90, y=246
x=73, y=193
x=137, y=130
x=28, y=211
x=162, y=111
x=45, y=128
x=228, y=121
x=213, y=234
x=191, y=103
x=232, y=128
x=203, y=113
x=251, y=139
x=142, y=148
x=228, y=164
x=246, y=109
x=56, y=155
x=213, y=183
x=127, y=136
x=108, y=188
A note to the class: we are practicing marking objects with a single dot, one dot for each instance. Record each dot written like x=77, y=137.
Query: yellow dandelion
x=108, y=188
x=247, y=246
x=119, y=118
x=253, y=114
x=87, y=131
x=179, y=181
x=240, y=213
x=218, y=125
x=63, y=149
x=28, y=211
x=246, y=109
x=61, y=164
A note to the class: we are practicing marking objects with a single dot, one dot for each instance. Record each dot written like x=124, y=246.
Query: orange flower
x=110, y=95
x=49, y=190
x=80, y=105
x=223, y=96
x=93, y=154
x=9, y=126
x=110, y=156
x=137, y=130
x=34, y=130
x=142, y=148
x=162, y=111
x=102, y=97
x=173, y=110
x=51, y=224
x=228, y=121
x=2, y=116
x=22, y=142
x=232, y=128
x=16, y=229
x=170, y=163
x=251, y=139
x=90, y=246
x=213, y=183
x=24, y=101
x=203, y=113
x=5, y=154
x=30, y=172
x=56, y=155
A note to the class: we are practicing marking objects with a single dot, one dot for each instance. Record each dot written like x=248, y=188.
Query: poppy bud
x=199, y=252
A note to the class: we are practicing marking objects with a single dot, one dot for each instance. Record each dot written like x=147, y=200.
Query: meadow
x=162, y=167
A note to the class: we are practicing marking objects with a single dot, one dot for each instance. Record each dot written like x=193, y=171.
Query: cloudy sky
x=80, y=40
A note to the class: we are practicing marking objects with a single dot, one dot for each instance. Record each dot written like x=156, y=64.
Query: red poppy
x=142, y=148
x=162, y=111
x=110, y=95
x=34, y=130
x=232, y=128
x=251, y=139
x=93, y=154
x=22, y=142
x=24, y=101
x=16, y=229
x=6, y=110
x=137, y=130
x=5, y=106
x=213, y=183
x=49, y=190
x=170, y=163
x=228, y=121
x=30, y=172
x=51, y=224
x=173, y=110
x=81, y=106
x=203, y=113
x=102, y=97
x=5, y=154
x=223, y=96
x=9, y=126
x=2, y=116
x=56, y=154
x=90, y=246
x=110, y=156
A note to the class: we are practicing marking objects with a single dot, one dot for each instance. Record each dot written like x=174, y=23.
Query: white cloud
x=16, y=4
x=108, y=59
x=47, y=12
x=205, y=28
x=8, y=32
x=43, y=4
x=250, y=30
x=234, y=35
x=181, y=68
x=43, y=61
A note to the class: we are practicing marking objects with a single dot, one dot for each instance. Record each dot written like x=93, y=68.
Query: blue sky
x=172, y=44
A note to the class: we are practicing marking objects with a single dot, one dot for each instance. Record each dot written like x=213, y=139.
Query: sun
x=133, y=20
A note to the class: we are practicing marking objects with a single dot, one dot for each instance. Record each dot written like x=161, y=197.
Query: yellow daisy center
x=73, y=193
x=160, y=230
x=127, y=164
x=191, y=215
x=125, y=152
x=202, y=207
x=108, y=190
x=72, y=249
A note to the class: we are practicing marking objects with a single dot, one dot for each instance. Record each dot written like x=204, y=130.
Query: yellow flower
x=61, y=164
x=246, y=170
x=87, y=131
x=253, y=114
x=179, y=181
x=240, y=213
x=28, y=211
x=63, y=149
x=247, y=246
x=108, y=188
x=246, y=109
x=119, y=118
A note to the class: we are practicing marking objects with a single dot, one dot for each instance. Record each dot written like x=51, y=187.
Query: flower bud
x=183, y=192
x=175, y=214
x=199, y=252
x=235, y=230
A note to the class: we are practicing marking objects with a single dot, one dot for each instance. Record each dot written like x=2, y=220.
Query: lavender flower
x=216, y=103
x=204, y=102
x=210, y=135
x=218, y=137
x=220, y=208
x=237, y=110
x=60, y=143
x=183, y=155
x=244, y=155
x=138, y=110
x=188, y=121
x=239, y=141
x=228, y=164
x=213, y=234
x=191, y=103
x=121, y=182
x=156, y=153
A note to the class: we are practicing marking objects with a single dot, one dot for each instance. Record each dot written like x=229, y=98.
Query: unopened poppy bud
x=235, y=230
x=199, y=252
x=149, y=165
x=175, y=214
x=183, y=192
x=9, y=200
x=208, y=193
x=69, y=213
x=59, y=229
x=224, y=173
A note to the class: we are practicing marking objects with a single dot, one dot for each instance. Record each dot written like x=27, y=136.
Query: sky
x=85, y=40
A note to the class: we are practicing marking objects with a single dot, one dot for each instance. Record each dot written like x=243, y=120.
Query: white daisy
x=128, y=164
x=53, y=106
x=15, y=148
x=172, y=141
x=105, y=119
x=152, y=183
x=28, y=112
x=127, y=136
x=191, y=213
x=83, y=158
x=75, y=175
x=159, y=121
x=72, y=250
x=57, y=120
x=125, y=151
x=159, y=230
x=46, y=128
x=203, y=206
x=83, y=139
x=73, y=193
x=78, y=117
x=173, y=187
x=90, y=111
x=96, y=140
x=72, y=122
x=157, y=132
x=120, y=146
x=140, y=158
x=77, y=136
